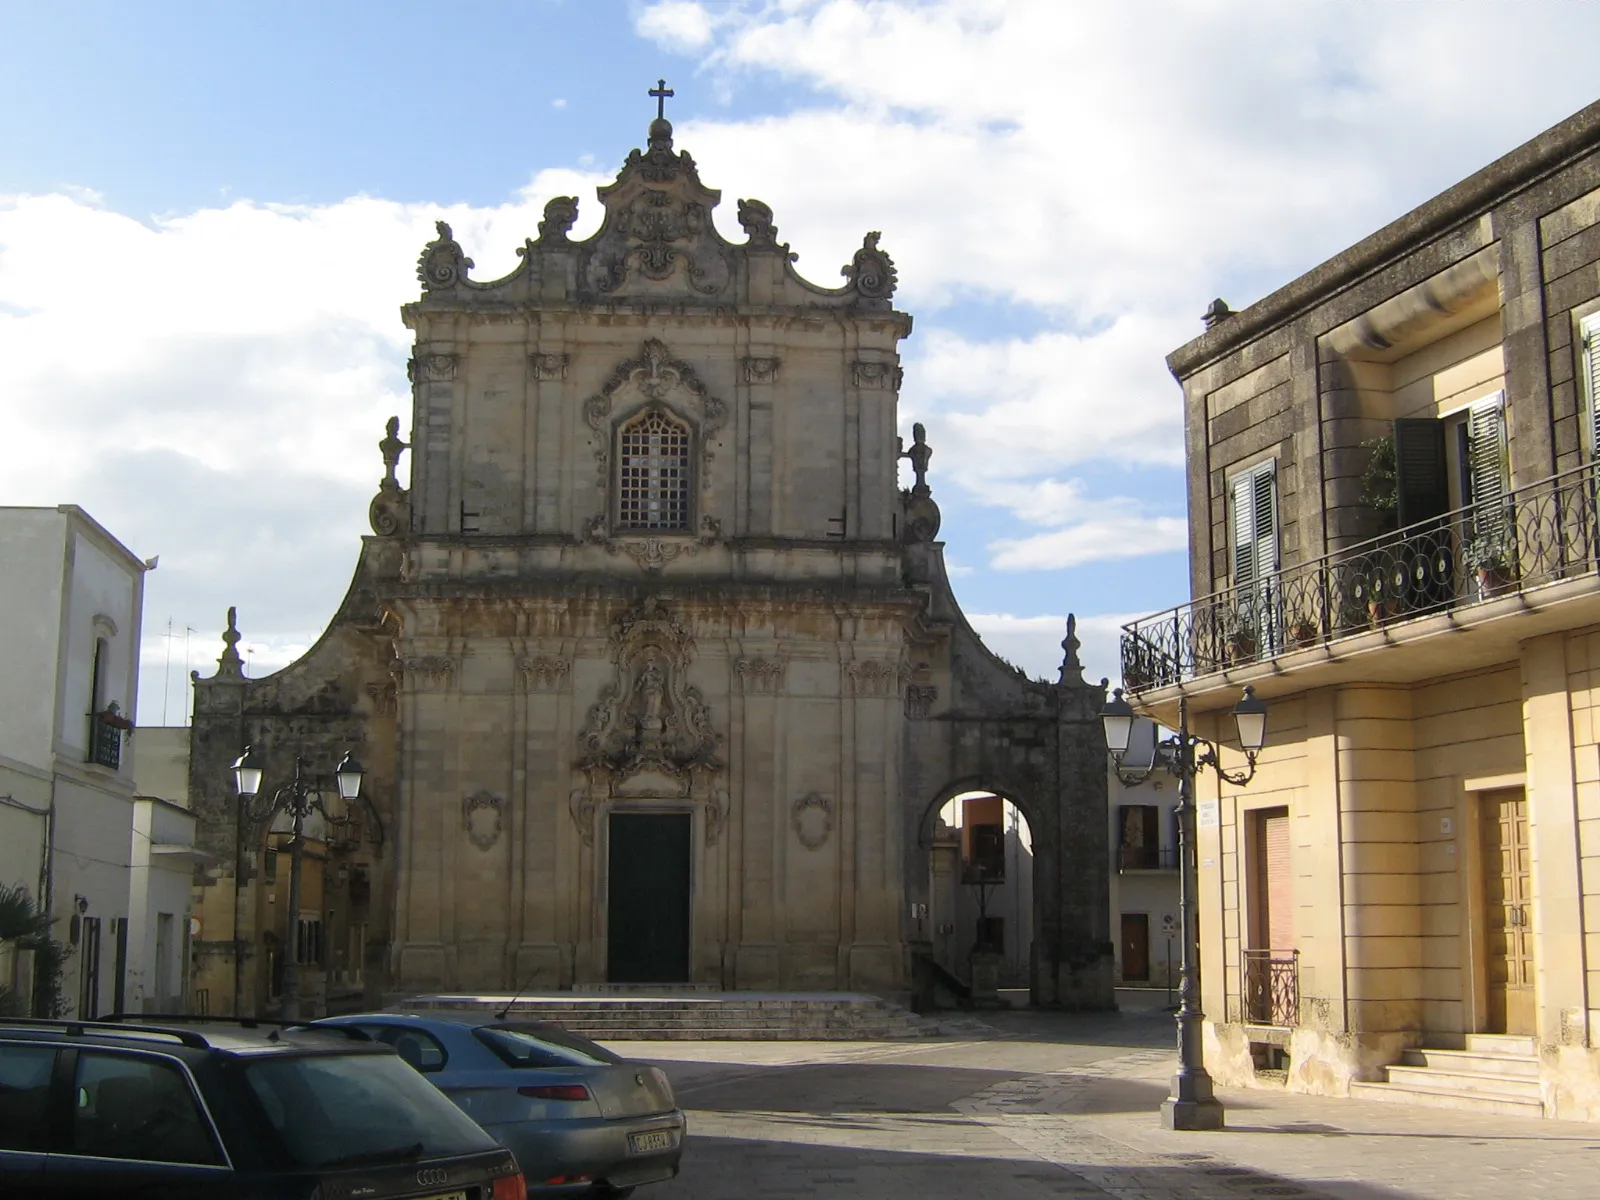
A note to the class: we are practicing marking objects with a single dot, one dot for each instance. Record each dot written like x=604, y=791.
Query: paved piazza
x=1050, y=1106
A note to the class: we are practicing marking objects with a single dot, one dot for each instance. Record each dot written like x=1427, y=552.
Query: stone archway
x=982, y=903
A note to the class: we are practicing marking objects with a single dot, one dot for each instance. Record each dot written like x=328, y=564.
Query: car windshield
x=532, y=1045
x=332, y=1109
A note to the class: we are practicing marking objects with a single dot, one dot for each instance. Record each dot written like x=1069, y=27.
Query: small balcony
x=1147, y=858
x=105, y=738
x=1532, y=541
x=1271, y=981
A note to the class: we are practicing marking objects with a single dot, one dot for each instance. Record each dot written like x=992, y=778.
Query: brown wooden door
x=1273, y=883
x=1507, y=910
x=1135, y=947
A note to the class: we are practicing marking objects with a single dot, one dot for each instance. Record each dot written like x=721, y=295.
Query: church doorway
x=980, y=889
x=648, y=895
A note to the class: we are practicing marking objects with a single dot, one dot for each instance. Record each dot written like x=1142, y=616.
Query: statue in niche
x=652, y=689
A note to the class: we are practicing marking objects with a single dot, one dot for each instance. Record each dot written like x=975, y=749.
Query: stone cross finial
x=390, y=447
x=660, y=93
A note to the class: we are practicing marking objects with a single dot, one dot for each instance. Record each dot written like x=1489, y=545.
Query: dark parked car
x=581, y=1121
x=207, y=1110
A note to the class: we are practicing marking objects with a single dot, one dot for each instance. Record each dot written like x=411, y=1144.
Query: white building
x=71, y=604
x=1144, y=867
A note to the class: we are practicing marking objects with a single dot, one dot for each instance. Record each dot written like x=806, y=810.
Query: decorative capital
x=875, y=677
x=428, y=673
x=549, y=366
x=759, y=676
x=432, y=368
x=760, y=370
x=542, y=673
x=879, y=375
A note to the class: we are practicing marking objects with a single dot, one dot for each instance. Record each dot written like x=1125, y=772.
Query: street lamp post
x=299, y=799
x=1193, y=1103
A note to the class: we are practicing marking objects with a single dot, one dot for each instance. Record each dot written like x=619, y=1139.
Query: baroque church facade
x=654, y=668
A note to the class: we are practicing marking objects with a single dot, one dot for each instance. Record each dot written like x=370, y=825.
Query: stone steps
x=1492, y=1073
x=683, y=1015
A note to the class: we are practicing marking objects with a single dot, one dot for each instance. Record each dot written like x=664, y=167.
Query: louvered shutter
x=1486, y=469
x=1422, y=481
x=1591, y=371
x=1255, y=524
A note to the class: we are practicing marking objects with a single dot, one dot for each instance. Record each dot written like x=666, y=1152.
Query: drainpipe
x=48, y=847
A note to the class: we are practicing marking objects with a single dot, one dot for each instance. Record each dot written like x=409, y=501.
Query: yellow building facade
x=1394, y=535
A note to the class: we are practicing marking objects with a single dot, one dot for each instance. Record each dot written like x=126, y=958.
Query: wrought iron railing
x=1271, y=987
x=1539, y=534
x=105, y=742
x=1146, y=858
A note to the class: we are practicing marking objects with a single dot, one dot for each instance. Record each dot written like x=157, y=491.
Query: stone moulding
x=658, y=378
x=482, y=818
x=812, y=819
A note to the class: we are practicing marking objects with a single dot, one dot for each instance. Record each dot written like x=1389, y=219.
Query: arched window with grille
x=653, y=473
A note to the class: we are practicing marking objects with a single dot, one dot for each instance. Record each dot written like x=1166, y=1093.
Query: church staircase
x=691, y=1014
x=1492, y=1073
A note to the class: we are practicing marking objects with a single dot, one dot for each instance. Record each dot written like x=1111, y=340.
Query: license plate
x=645, y=1143
x=445, y=1196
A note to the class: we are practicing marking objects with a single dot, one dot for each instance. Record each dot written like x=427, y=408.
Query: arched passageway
x=981, y=889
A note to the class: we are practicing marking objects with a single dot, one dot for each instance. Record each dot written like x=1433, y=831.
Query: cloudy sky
x=210, y=215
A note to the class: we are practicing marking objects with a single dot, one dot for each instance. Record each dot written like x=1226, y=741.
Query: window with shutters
x=652, y=484
x=1253, y=629
x=1490, y=532
x=1590, y=337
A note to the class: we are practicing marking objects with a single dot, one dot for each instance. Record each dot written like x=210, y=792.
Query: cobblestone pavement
x=1051, y=1106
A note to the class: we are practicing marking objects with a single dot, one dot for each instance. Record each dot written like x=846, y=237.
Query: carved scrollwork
x=581, y=805
x=755, y=218
x=654, y=553
x=919, y=700
x=390, y=510
x=385, y=700
x=812, y=818
x=482, y=817
x=656, y=377
x=442, y=264
x=560, y=213
x=871, y=272
x=716, y=815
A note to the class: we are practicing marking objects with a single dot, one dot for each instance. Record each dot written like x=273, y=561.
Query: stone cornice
x=647, y=313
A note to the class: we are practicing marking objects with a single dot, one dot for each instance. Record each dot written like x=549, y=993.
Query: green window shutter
x=1255, y=523
x=1422, y=480
x=1591, y=374
x=1486, y=466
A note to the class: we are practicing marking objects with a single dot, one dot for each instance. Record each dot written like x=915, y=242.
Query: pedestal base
x=1191, y=1114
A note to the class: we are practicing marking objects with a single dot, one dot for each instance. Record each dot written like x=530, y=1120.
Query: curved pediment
x=657, y=243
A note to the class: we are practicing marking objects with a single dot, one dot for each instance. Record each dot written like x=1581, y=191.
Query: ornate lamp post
x=1192, y=1104
x=299, y=799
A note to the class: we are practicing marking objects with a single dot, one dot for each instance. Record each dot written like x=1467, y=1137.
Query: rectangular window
x=1590, y=333
x=309, y=943
x=138, y=1107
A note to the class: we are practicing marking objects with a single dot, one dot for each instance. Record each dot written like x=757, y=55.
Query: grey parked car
x=580, y=1120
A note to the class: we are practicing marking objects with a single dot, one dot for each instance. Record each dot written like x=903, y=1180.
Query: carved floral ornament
x=812, y=819
x=549, y=366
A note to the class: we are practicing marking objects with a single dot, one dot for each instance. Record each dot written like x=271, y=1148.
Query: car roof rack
x=111, y=1026
x=273, y=1023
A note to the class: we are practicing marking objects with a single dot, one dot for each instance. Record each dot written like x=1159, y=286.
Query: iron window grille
x=653, y=474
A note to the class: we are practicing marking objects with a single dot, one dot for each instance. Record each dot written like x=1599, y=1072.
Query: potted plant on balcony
x=1303, y=632
x=1240, y=643
x=1492, y=556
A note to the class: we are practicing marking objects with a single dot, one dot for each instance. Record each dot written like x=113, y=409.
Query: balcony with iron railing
x=1146, y=858
x=1271, y=981
x=1525, y=547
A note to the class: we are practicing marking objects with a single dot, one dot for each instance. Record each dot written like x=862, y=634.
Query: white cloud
x=1092, y=541
x=559, y=102
x=677, y=24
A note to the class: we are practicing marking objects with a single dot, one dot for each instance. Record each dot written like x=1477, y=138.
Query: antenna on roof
x=501, y=1015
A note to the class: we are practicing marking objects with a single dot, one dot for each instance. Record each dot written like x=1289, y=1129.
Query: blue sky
x=209, y=216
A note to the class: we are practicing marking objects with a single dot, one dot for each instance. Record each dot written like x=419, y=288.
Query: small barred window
x=653, y=474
